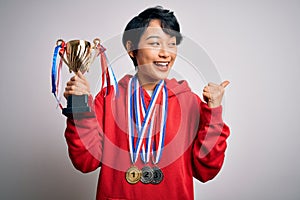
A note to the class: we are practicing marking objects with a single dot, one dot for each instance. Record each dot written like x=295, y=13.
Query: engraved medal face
x=133, y=175
x=157, y=175
x=147, y=175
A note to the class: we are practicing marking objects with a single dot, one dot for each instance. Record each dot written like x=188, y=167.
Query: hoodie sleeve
x=210, y=143
x=84, y=138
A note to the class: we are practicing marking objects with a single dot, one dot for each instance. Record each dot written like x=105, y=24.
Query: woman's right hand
x=77, y=85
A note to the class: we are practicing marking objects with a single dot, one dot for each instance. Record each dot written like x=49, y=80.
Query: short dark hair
x=137, y=26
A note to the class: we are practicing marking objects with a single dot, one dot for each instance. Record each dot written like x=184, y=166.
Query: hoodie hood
x=175, y=87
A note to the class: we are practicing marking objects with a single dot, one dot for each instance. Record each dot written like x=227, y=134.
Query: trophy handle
x=60, y=42
x=96, y=48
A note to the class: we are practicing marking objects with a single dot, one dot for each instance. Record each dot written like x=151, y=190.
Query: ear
x=130, y=48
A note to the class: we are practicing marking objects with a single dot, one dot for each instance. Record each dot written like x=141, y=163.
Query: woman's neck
x=147, y=84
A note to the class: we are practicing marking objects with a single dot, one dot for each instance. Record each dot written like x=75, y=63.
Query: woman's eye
x=154, y=43
x=172, y=44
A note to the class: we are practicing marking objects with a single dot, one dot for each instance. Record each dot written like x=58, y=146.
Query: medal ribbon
x=134, y=105
x=161, y=133
x=157, y=153
x=140, y=119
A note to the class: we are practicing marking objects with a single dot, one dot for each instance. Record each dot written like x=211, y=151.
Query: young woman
x=156, y=135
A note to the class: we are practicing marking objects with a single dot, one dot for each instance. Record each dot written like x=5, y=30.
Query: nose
x=164, y=52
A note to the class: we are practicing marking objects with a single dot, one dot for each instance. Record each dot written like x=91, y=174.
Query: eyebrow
x=152, y=36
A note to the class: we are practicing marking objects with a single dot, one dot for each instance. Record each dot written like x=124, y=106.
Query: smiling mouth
x=162, y=65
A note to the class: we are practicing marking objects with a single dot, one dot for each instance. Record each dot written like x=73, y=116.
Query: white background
x=254, y=44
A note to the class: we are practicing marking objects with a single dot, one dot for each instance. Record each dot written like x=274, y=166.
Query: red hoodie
x=195, y=142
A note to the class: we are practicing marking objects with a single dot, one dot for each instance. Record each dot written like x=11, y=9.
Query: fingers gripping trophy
x=78, y=56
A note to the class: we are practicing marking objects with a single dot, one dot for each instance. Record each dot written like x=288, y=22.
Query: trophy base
x=76, y=104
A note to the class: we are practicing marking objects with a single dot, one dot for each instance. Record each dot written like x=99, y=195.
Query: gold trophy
x=78, y=56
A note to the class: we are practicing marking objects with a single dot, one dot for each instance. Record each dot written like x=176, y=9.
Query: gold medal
x=133, y=175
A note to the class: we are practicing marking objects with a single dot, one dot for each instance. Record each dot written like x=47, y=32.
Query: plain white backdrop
x=254, y=44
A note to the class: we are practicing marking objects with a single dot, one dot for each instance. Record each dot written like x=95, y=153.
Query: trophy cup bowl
x=78, y=57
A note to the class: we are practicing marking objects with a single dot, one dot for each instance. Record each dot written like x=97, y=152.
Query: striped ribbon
x=108, y=75
x=56, y=72
x=144, y=119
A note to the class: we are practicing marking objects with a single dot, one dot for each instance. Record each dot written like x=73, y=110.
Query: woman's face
x=155, y=55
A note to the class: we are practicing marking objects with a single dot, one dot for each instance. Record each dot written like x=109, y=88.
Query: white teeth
x=162, y=63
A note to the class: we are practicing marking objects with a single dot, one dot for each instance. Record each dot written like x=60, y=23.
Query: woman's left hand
x=213, y=94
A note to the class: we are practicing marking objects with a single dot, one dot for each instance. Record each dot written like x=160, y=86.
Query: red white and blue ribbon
x=108, y=75
x=144, y=119
x=56, y=72
x=157, y=152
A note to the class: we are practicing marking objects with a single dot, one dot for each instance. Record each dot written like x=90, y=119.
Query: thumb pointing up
x=224, y=84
